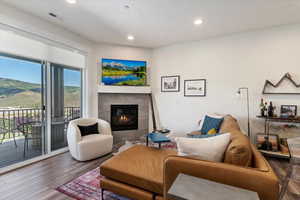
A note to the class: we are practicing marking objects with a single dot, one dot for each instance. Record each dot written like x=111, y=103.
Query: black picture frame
x=163, y=89
x=195, y=95
x=285, y=113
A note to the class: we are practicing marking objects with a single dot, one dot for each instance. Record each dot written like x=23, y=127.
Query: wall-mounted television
x=124, y=72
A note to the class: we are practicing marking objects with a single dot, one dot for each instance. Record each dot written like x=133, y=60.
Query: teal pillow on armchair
x=211, y=123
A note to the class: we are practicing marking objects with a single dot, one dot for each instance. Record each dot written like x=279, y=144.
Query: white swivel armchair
x=90, y=146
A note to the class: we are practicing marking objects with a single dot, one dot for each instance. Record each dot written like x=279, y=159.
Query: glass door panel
x=21, y=109
x=65, y=102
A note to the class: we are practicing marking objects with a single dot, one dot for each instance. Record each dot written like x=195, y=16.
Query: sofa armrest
x=104, y=127
x=73, y=133
x=265, y=183
x=73, y=137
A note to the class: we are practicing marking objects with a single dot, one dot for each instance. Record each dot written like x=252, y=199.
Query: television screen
x=124, y=72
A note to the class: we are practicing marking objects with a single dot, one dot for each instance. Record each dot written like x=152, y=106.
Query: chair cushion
x=139, y=166
x=88, y=130
x=93, y=146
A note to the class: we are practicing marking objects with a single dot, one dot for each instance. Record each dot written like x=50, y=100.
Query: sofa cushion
x=239, y=150
x=213, y=115
x=211, y=123
x=229, y=124
x=211, y=149
x=139, y=166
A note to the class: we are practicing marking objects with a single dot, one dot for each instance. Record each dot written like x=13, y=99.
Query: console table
x=269, y=120
x=187, y=187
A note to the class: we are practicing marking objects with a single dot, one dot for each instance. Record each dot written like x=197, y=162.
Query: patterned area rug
x=87, y=186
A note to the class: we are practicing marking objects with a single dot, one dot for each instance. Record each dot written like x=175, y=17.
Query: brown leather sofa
x=145, y=173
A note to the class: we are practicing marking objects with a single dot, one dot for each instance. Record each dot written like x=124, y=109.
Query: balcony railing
x=12, y=119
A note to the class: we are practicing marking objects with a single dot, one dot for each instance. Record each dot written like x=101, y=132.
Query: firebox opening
x=124, y=117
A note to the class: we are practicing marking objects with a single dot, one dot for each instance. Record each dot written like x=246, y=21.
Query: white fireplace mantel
x=124, y=89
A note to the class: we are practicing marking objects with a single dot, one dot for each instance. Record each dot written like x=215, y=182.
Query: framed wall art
x=195, y=88
x=288, y=111
x=170, y=83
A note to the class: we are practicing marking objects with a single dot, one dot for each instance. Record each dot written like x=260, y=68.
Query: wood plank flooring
x=38, y=181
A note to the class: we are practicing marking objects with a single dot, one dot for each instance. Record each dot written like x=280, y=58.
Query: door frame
x=46, y=107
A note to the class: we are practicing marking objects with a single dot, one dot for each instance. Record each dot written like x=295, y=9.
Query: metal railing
x=12, y=119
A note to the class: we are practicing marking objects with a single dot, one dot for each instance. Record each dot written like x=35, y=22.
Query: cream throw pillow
x=211, y=149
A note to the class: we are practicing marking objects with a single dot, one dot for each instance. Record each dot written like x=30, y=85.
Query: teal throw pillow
x=211, y=123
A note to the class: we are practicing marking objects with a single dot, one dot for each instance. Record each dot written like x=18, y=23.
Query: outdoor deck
x=10, y=154
x=18, y=123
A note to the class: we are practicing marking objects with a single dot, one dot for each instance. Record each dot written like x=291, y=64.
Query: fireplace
x=124, y=117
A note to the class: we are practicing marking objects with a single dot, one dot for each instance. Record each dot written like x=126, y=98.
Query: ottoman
x=139, y=169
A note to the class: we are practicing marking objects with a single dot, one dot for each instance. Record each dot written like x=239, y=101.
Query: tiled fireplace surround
x=105, y=100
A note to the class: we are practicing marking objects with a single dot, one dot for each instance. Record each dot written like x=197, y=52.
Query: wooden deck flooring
x=10, y=154
x=38, y=181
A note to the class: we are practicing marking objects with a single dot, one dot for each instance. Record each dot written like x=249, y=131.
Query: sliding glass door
x=65, y=102
x=22, y=113
x=38, y=99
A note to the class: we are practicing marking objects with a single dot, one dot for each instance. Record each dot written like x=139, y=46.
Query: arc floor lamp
x=248, y=109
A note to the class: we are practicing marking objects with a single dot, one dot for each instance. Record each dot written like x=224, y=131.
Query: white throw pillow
x=217, y=116
x=211, y=149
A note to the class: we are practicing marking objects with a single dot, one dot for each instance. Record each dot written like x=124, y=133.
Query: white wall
x=240, y=60
x=116, y=52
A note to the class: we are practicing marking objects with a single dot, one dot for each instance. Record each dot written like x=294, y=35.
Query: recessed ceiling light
x=198, y=22
x=130, y=37
x=71, y=1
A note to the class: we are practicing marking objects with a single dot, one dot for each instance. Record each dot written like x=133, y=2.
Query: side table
x=187, y=187
x=157, y=138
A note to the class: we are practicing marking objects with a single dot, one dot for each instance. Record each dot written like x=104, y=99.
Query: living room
x=207, y=97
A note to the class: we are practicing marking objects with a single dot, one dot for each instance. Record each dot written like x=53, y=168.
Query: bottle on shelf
x=271, y=110
x=266, y=109
x=261, y=106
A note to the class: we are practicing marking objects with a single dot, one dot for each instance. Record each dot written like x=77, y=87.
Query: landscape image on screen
x=123, y=72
